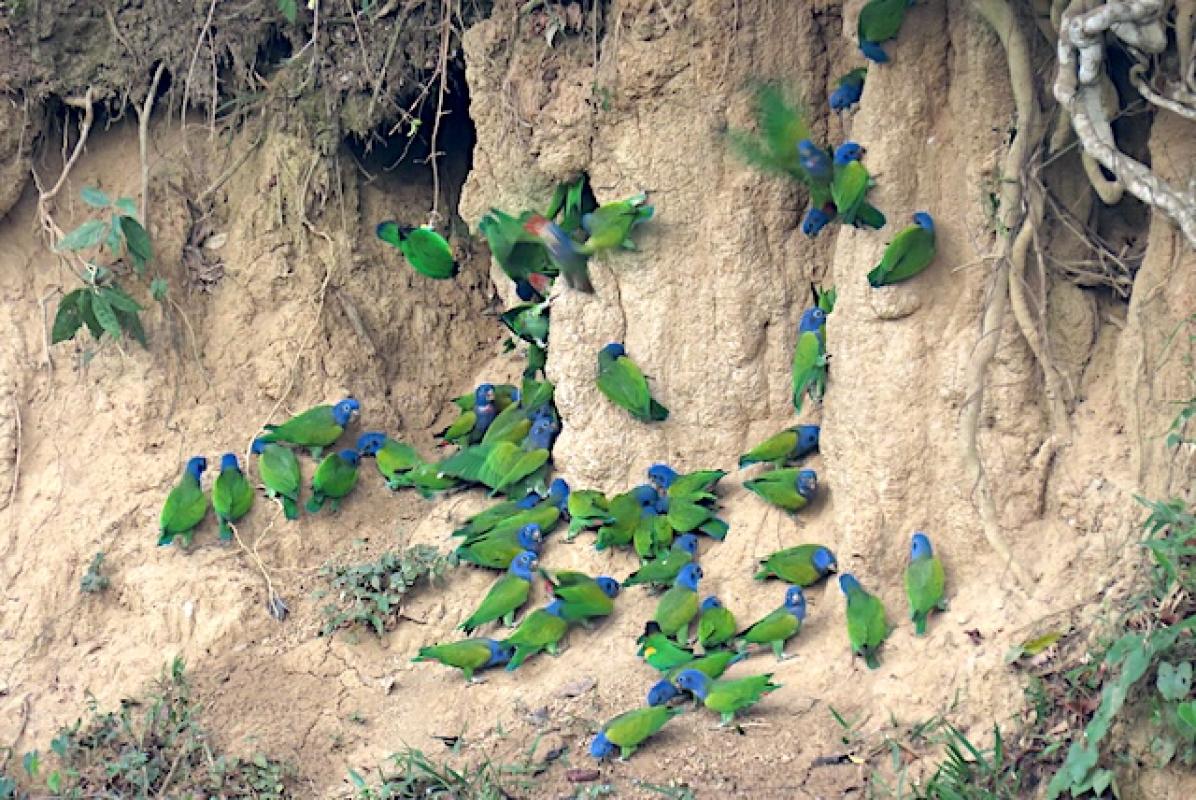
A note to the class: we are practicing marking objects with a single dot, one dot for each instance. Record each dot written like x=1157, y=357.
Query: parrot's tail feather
x=580, y=280
x=871, y=660
x=517, y=659
x=919, y=624
x=290, y=508
x=314, y=505
x=657, y=412
x=165, y=538
x=762, y=575
x=226, y=532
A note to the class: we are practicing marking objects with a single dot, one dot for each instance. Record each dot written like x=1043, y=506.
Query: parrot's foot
x=475, y=681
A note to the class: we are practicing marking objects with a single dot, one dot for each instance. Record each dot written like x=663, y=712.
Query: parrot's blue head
x=608, y=585
x=523, y=564
x=689, y=576
x=196, y=465
x=645, y=495
x=541, y=435
x=343, y=411
x=500, y=652
x=807, y=483
x=694, y=682
x=811, y=320
x=711, y=602
x=614, y=350
x=815, y=220
x=807, y=149
x=530, y=537
x=795, y=602
x=920, y=546
x=350, y=456
x=807, y=438
x=529, y=501
x=687, y=542
x=844, y=97
x=848, y=583
x=848, y=152
x=368, y=444
x=601, y=748
x=483, y=395
x=662, y=692
x=257, y=447
x=558, y=493
x=924, y=221
x=662, y=476
x=556, y=607
x=874, y=52
x=824, y=561
x=229, y=461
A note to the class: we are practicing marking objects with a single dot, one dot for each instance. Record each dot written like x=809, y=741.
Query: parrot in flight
x=565, y=254
x=910, y=252
x=520, y=254
x=426, y=251
x=609, y=225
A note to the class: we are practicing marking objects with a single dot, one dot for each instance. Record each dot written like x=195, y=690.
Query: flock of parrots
x=505, y=435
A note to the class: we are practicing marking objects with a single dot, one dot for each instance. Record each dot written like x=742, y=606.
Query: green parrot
x=789, y=489
x=803, y=565
x=424, y=478
x=910, y=252
x=653, y=535
x=529, y=322
x=502, y=465
x=588, y=508
x=851, y=183
x=504, y=395
x=825, y=298
x=627, y=731
x=609, y=225
x=879, y=21
x=790, y=445
x=471, y=425
x=679, y=605
x=279, y=472
x=315, y=428
x=712, y=665
x=520, y=253
x=779, y=625
x=664, y=569
x=727, y=697
x=625, y=511
x=425, y=250
x=867, y=627
x=782, y=124
x=540, y=630
x=507, y=595
x=498, y=550
x=697, y=486
x=334, y=479
x=584, y=597
x=924, y=581
x=393, y=458
x=571, y=202
x=468, y=655
x=659, y=651
x=500, y=512
x=809, y=357
x=545, y=514
x=185, y=506
x=624, y=385
x=716, y=625
x=232, y=496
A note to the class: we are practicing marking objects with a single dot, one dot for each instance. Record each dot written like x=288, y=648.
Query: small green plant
x=371, y=594
x=968, y=772
x=94, y=580
x=413, y=775
x=151, y=748
x=101, y=304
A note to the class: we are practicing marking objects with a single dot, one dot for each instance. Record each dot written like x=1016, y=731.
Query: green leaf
x=141, y=250
x=127, y=206
x=54, y=781
x=31, y=763
x=67, y=320
x=88, y=313
x=89, y=234
x=1173, y=682
x=158, y=289
x=117, y=298
x=357, y=780
x=1187, y=715
x=130, y=322
x=287, y=7
x=105, y=315
x=113, y=241
x=94, y=197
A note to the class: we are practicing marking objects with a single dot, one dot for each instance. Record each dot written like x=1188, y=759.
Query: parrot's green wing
x=778, y=488
x=715, y=528
x=660, y=570
x=466, y=655
x=712, y=665
x=396, y=457
x=850, y=185
x=461, y=428
x=781, y=125
x=625, y=517
x=545, y=515
x=485, y=520
x=685, y=516
x=528, y=321
x=519, y=253
x=924, y=582
x=538, y=631
x=426, y=251
x=630, y=729
x=696, y=482
x=496, y=465
x=587, y=508
x=869, y=216
x=315, y=427
x=624, y=385
x=279, y=471
x=232, y=497
x=506, y=595
x=511, y=425
x=793, y=565
x=809, y=368
x=910, y=252
x=775, y=449
x=776, y=626
x=727, y=697
x=675, y=609
x=880, y=20
x=185, y=508
x=716, y=626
